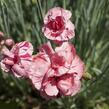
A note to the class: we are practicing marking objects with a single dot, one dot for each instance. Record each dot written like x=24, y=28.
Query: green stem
x=64, y=4
x=40, y=9
x=4, y=19
x=18, y=85
x=95, y=80
x=20, y=16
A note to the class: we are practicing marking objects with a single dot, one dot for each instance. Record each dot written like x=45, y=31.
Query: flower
x=18, y=59
x=56, y=73
x=57, y=25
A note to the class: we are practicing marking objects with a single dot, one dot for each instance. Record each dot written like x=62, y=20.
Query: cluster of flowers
x=53, y=72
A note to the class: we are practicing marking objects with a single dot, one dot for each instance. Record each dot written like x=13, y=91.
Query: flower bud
x=9, y=42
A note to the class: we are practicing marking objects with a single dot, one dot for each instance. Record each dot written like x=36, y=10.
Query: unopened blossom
x=17, y=60
x=57, y=73
x=5, y=41
x=9, y=42
x=57, y=25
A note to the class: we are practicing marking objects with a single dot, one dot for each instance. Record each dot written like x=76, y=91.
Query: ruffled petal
x=77, y=66
x=68, y=52
x=51, y=89
x=18, y=71
x=69, y=85
x=57, y=11
x=40, y=66
x=46, y=48
x=68, y=32
x=23, y=49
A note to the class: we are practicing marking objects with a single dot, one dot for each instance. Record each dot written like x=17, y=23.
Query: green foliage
x=23, y=19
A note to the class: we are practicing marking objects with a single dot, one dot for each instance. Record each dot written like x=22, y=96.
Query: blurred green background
x=23, y=20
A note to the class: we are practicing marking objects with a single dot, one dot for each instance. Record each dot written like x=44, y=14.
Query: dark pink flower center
x=57, y=60
x=16, y=59
x=56, y=24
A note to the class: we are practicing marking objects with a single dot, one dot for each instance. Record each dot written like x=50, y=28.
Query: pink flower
x=56, y=73
x=57, y=25
x=17, y=60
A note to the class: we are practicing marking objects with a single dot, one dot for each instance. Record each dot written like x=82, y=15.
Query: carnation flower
x=57, y=25
x=17, y=60
x=56, y=73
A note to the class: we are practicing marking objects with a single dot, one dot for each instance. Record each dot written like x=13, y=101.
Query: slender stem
x=18, y=85
x=40, y=9
x=41, y=16
x=5, y=20
x=64, y=4
x=20, y=16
